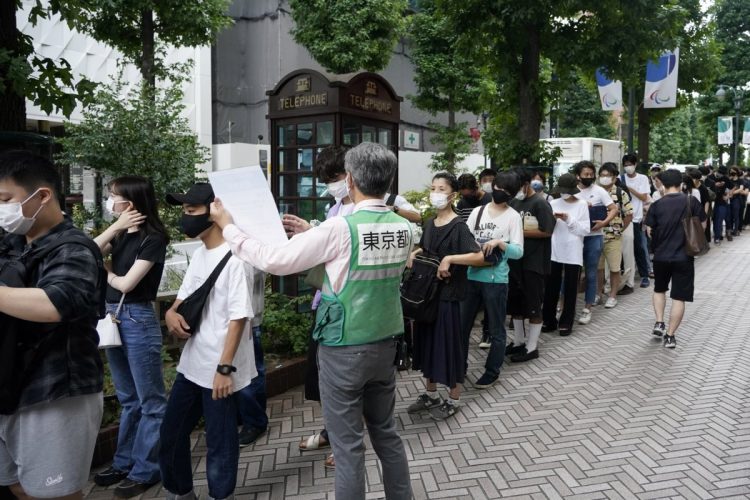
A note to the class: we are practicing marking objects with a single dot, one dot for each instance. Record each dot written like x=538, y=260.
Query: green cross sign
x=412, y=138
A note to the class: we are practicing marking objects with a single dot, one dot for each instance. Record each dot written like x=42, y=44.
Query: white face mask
x=338, y=189
x=12, y=219
x=565, y=196
x=605, y=181
x=630, y=169
x=487, y=187
x=439, y=200
x=521, y=195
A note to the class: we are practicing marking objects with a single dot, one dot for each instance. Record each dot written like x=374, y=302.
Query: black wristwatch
x=226, y=369
x=395, y=209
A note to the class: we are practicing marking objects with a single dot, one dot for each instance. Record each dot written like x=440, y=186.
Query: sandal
x=314, y=442
x=330, y=462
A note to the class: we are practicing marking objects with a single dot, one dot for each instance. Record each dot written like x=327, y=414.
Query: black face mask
x=193, y=225
x=587, y=181
x=500, y=196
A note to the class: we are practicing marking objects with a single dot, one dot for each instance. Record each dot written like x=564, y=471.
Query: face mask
x=565, y=196
x=12, y=219
x=193, y=225
x=487, y=187
x=337, y=189
x=439, y=200
x=605, y=181
x=630, y=169
x=537, y=186
x=587, y=181
x=109, y=205
x=500, y=197
x=521, y=195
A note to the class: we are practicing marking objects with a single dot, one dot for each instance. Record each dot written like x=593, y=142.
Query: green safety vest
x=368, y=308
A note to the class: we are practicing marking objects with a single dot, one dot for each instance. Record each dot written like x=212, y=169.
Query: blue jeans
x=139, y=384
x=494, y=297
x=592, y=252
x=187, y=403
x=720, y=214
x=642, y=260
x=251, y=400
x=735, y=222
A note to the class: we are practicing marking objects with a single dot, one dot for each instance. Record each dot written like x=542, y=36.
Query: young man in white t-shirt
x=499, y=230
x=217, y=360
x=640, y=190
x=571, y=227
x=601, y=211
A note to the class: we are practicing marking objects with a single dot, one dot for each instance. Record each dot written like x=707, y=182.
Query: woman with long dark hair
x=137, y=242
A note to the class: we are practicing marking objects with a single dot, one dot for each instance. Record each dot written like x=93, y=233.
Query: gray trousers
x=359, y=383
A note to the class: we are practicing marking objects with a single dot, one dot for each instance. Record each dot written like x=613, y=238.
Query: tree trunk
x=148, y=70
x=450, y=150
x=644, y=130
x=529, y=104
x=12, y=104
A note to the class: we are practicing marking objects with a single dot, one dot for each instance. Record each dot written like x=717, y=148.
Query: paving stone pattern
x=604, y=413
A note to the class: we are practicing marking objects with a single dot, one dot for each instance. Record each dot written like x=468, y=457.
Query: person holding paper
x=364, y=255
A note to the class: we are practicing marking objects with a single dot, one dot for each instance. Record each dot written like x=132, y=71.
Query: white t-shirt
x=639, y=183
x=595, y=196
x=230, y=299
x=567, y=238
x=696, y=194
x=400, y=203
x=507, y=226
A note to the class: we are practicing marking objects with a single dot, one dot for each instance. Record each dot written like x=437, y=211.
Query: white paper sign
x=384, y=243
x=246, y=195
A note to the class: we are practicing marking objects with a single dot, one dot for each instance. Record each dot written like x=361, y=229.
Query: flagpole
x=631, y=117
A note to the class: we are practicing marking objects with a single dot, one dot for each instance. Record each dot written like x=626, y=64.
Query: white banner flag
x=661, y=81
x=726, y=131
x=746, y=131
x=610, y=92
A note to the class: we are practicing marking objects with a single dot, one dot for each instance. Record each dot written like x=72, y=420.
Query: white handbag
x=109, y=332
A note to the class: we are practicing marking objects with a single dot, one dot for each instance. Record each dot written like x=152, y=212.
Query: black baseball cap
x=567, y=184
x=200, y=193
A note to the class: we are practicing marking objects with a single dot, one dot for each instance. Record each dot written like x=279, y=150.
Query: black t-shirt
x=705, y=196
x=466, y=205
x=128, y=248
x=535, y=213
x=459, y=241
x=665, y=220
x=720, y=186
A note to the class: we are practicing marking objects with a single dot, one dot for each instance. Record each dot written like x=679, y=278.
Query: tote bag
x=109, y=332
x=695, y=235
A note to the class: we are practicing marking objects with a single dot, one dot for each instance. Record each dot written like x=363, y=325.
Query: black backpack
x=420, y=286
x=23, y=344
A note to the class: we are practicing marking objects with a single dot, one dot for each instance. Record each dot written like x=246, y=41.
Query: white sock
x=432, y=394
x=535, y=329
x=518, y=332
x=453, y=402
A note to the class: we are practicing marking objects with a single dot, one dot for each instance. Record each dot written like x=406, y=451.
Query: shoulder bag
x=695, y=235
x=191, y=309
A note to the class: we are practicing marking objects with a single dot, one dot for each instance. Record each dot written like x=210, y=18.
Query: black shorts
x=525, y=293
x=682, y=275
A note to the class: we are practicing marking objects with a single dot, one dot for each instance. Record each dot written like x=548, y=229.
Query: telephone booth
x=307, y=112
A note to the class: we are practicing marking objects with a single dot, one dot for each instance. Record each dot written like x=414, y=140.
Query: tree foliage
x=48, y=83
x=345, y=36
x=676, y=139
x=579, y=110
x=140, y=132
x=140, y=29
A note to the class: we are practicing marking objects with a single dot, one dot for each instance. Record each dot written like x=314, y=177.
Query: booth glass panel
x=325, y=133
x=304, y=134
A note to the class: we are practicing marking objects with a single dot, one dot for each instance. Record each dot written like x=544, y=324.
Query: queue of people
x=500, y=243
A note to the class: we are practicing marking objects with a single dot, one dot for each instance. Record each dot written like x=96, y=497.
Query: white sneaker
x=585, y=317
x=611, y=302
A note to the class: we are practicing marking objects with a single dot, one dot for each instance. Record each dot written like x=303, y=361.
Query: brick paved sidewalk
x=604, y=413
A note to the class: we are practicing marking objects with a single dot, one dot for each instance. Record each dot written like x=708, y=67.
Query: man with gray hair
x=359, y=317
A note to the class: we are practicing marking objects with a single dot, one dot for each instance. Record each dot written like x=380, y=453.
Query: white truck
x=575, y=149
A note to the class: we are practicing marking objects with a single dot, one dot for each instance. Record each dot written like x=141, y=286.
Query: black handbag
x=496, y=255
x=192, y=307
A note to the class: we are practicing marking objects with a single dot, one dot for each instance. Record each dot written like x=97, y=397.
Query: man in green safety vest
x=358, y=319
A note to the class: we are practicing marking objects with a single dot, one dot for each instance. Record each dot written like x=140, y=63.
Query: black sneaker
x=659, y=329
x=129, y=488
x=249, y=436
x=485, y=381
x=525, y=356
x=109, y=477
x=670, y=342
x=424, y=403
x=626, y=290
x=565, y=331
x=512, y=349
x=443, y=411
x=548, y=329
